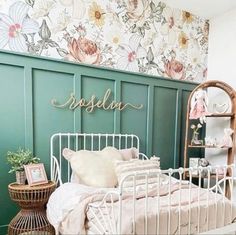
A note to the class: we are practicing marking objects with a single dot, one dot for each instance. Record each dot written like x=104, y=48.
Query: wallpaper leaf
x=144, y=36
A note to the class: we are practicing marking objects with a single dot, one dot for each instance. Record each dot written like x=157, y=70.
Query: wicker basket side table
x=32, y=217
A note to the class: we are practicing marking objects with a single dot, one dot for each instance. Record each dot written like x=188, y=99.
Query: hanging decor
x=72, y=103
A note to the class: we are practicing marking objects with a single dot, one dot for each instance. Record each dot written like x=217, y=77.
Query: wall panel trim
x=117, y=96
x=150, y=117
x=28, y=97
x=178, y=117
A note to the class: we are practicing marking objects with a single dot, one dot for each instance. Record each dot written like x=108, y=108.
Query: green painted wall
x=27, y=85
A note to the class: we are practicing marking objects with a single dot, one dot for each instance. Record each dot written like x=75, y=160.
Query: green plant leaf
x=21, y=157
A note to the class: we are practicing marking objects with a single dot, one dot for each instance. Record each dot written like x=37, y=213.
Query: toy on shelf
x=227, y=139
x=204, y=163
x=199, y=103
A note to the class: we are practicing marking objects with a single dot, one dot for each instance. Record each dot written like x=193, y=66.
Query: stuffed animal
x=199, y=104
x=204, y=163
x=227, y=139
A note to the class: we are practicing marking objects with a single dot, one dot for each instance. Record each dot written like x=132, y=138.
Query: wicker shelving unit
x=230, y=115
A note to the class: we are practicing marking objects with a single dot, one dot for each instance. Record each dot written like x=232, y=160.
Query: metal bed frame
x=61, y=172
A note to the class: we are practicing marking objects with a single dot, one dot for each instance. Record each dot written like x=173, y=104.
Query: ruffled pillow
x=139, y=167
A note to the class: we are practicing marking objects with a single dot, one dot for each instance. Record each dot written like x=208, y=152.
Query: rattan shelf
x=207, y=146
x=32, y=217
x=221, y=115
x=229, y=120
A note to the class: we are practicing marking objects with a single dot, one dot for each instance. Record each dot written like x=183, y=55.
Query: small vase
x=20, y=177
x=195, y=140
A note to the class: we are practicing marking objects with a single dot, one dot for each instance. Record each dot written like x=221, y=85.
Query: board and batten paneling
x=165, y=116
x=28, y=84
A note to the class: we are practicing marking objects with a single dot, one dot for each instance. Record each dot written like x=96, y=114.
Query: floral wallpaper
x=136, y=35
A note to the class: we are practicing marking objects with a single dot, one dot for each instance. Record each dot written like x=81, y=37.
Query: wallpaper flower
x=136, y=35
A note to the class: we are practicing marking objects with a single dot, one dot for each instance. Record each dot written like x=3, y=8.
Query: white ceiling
x=204, y=8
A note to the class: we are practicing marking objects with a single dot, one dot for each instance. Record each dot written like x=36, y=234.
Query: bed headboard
x=60, y=168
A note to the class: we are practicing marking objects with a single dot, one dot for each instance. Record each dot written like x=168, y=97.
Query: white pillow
x=137, y=166
x=94, y=168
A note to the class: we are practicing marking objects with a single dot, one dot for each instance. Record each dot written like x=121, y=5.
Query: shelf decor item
x=227, y=139
x=17, y=160
x=220, y=108
x=199, y=103
x=204, y=163
x=35, y=174
x=195, y=140
x=193, y=162
x=210, y=141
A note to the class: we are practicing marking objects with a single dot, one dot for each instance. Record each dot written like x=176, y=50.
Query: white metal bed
x=113, y=223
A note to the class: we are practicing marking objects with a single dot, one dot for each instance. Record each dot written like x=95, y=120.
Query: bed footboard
x=172, y=206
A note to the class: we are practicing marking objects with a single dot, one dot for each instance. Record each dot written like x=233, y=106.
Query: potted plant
x=17, y=160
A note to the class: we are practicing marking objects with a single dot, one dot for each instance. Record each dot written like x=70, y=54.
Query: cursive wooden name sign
x=72, y=103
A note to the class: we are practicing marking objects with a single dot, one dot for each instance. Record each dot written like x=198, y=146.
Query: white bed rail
x=60, y=168
x=195, y=211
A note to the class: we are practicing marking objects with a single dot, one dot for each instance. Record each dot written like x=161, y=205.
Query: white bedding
x=67, y=209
